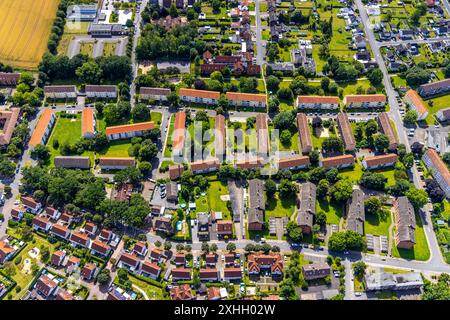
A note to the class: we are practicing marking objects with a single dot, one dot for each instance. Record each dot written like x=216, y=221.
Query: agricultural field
x=24, y=29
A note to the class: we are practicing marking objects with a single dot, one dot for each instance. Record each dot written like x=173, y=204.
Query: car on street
x=358, y=294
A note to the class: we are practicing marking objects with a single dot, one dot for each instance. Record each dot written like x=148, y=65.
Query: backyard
x=332, y=210
x=420, y=250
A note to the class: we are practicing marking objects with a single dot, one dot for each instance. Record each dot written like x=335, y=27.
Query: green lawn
x=153, y=292
x=168, y=147
x=156, y=117
x=276, y=207
x=118, y=148
x=332, y=210
x=215, y=203
x=109, y=49
x=388, y=173
x=354, y=174
x=376, y=225
x=436, y=105
x=420, y=250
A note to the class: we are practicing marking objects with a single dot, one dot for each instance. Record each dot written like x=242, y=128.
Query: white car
x=358, y=294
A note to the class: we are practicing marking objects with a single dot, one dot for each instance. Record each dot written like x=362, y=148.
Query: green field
x=215, y=191
x=276, y=207
x=376, y=225
x=153, y=292
x=332, y=210
x=420, y=250
x=354, y=174
x=436, y=105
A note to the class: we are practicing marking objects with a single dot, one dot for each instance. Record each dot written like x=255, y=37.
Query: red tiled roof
x=79, y=238
x=380, y=160
x=41, y=222
x=116, y=161
x=60, y=230
x=439, y=165
x=143, y=126
x=88, y=121
x=339, y=160
x=317, y=99
x=182, y=292
x=293, y=162
x=151, y=268
x=100, y=247
x=179, y=130
x=199, y=93
x=41, y=127
x=416, y=100
x=237, y=96
x=360, y=98
x=304, y=133
x=205, y=164
x=129, y=259
x=29, y=202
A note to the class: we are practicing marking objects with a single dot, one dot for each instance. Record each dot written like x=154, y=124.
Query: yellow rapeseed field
x=25, y=26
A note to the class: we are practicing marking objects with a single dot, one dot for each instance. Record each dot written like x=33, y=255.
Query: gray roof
x=255, y=215
x=307, y=209
x=406, y=224
x=172, y=190
x=256, y=193
x=355, y=212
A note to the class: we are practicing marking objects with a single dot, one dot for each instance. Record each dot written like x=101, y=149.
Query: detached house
x=140, y=249
x=31, y=205
x=46, y=286
x=58, y=258
x=60, y=231
x=90, y=228
x=88, y=271
x=17, y=213
x=182, y=292
x=230, y=274
x=179, y=259
x=181, y=274
x=41, y=224
x=129, y=261
x=79, y=239
x=209, y=274
x=6, y=251
x=151, y=270
x=199, y=96
x=52, y=213
x=100, y=248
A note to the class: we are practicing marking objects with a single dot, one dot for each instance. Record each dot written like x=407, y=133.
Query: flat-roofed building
x=9, y=79
x=158, y=94
x=128, y=131
x=405, y=223
x=355, y=212
x=385, y=160
x=88, y=123
x=60, y=92
x=79, y=162
x=306, y=206
x=304, y=134
x=178, y=134
x=345, y=129
x=293, y=163
x=339, y=162
x=388, y=130
x=317, y=102
x=365, y=101
x=101, y=91
x=8, y=118
x=438, y=87
x=440, y=171
x=316, y=271
x=105, y=30
x=376, y=281
x=220, y=137
x=43, y=128
x=116, y=163
x=247, y=99
x=262, y=134
x=416, y=104
x=199, y=96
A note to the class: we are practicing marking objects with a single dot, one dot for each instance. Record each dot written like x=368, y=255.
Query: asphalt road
x=259, y=42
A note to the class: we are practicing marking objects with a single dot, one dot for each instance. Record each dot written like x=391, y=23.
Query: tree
x=346, y=240
x=408, y=160
x=342, y=190
x=285, y=138
x=332, y=144
x=372, y=205
x=400, y=187
x=410, y=117
x=104, y=277
x=371, y=127
x=325, y=84
x=274, y=104
x=381, y=142
x=375, y=76
x=439, y=290
x=41, y=153
x=294, y=232
x=373, y=180
x=145, y=167
x=359, y=268
x=89, y=72
x=271, y=188
x=285, y=94
x=273, y=83
x=287, y=189
x=322, y=188
x=140, y=113
x=321, y=218
x=231, y=246
x=284, y=120
x=417, y=197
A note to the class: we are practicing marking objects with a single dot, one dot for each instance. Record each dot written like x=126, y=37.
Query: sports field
x=24, y=30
